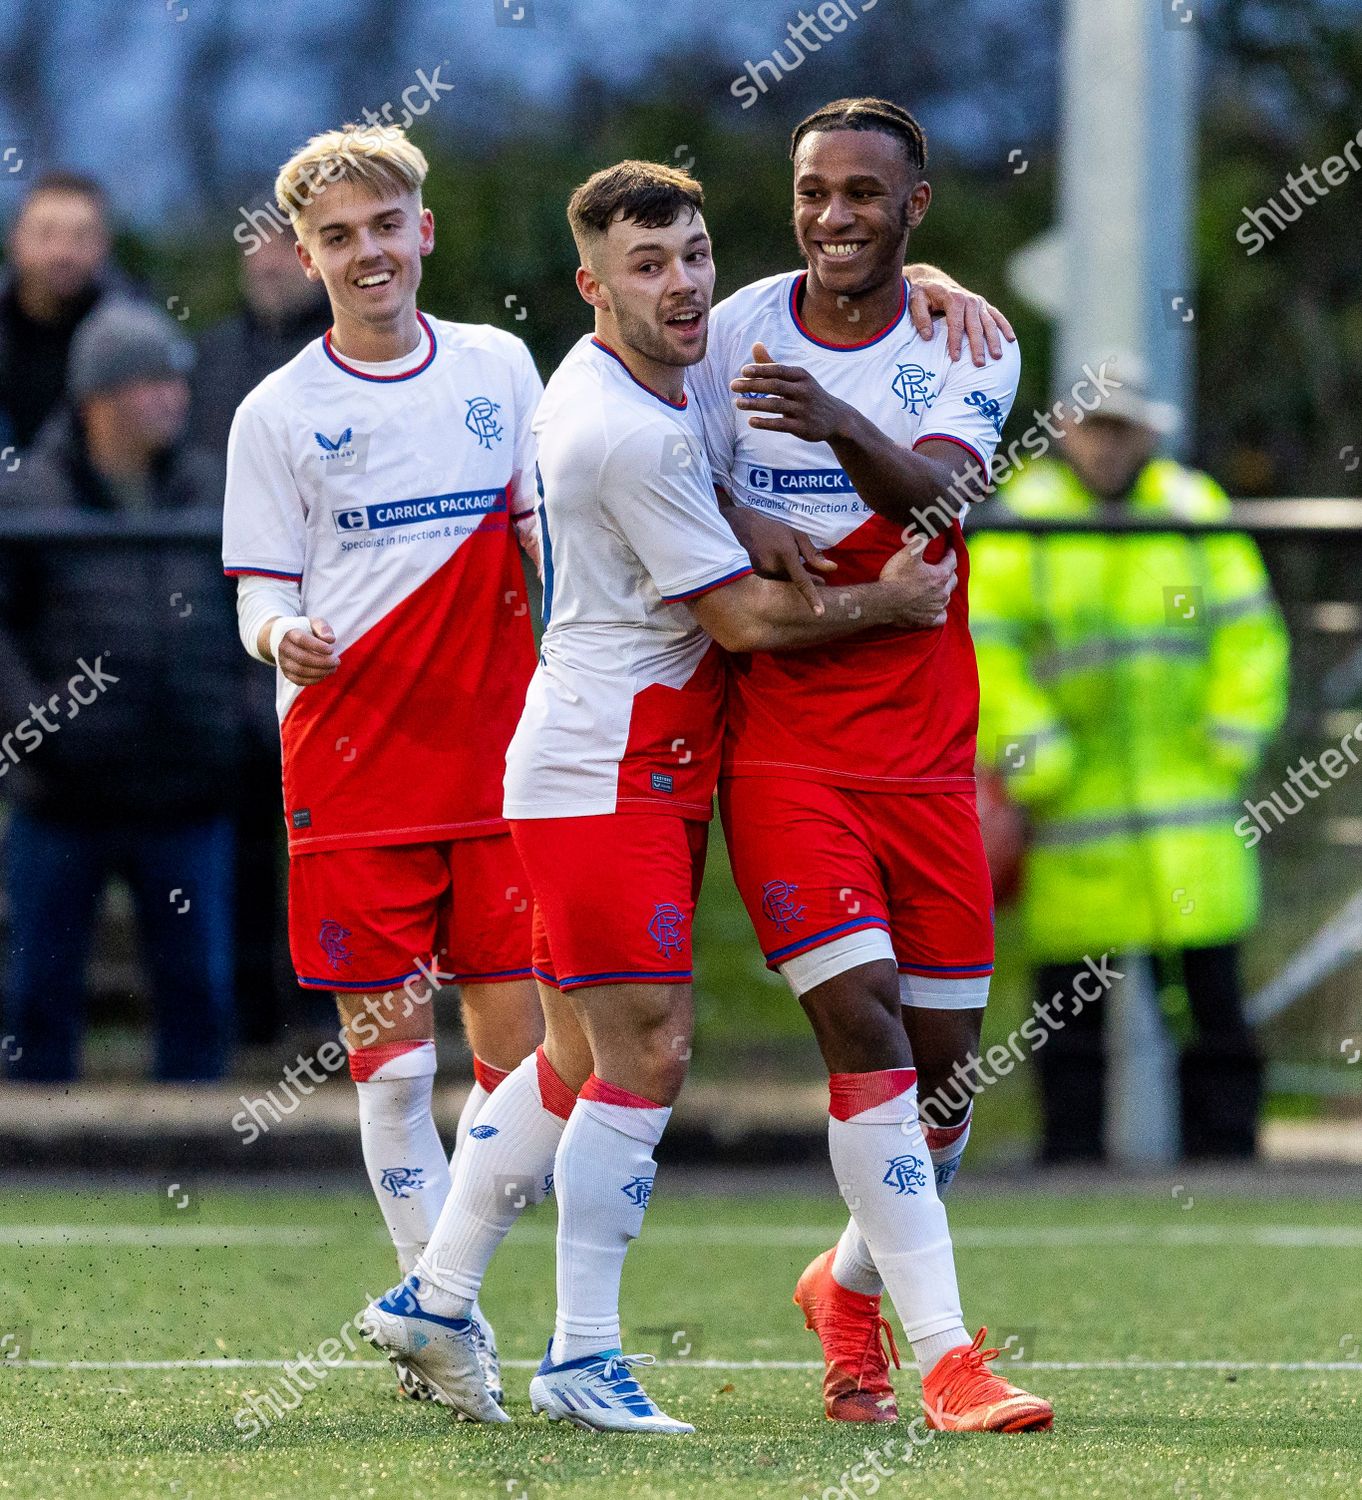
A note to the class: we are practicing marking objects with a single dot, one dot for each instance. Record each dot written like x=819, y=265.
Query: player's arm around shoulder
x=763, y=614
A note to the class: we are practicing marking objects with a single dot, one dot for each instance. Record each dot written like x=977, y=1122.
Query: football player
x=609, y=788
x=376, y=486
x=847, y=792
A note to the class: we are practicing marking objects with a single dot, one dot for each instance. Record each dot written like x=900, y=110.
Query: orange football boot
x=961, y=1394
x=849, y=1326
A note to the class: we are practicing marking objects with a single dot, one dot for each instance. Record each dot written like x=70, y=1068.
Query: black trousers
x=1220, y=1073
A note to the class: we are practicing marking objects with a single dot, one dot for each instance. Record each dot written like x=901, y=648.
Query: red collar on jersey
x=383, y=379
x=675, y=405
x=796, y=294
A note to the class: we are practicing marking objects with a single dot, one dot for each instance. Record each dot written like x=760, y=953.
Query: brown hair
x=648, y=193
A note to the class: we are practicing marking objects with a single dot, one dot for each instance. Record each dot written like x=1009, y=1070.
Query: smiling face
x=856, y=197
x=654, y=285
x=366, y=249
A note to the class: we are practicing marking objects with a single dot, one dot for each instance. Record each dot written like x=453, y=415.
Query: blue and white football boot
x=488, y=1357
x=599, y=1394
x=446, y=1353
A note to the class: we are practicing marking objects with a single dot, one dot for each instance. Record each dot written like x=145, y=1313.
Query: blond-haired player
x=375, y=487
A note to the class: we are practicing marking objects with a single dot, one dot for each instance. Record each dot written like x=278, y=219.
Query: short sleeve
x=708, y=385
x=263, y=525
x=528, y=389
x=657, y=490
x=973, y=404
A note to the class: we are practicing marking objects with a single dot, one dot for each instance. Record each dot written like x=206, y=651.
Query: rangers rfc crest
x=778, y=905
x=910, y=386
x=481, y=421
x=331, y=936
x=905, y=1175
x=402, y=1182
x=638, y=1190
x=665, y=928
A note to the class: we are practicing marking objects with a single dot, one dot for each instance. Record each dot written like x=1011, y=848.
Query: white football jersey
x=885, y=710
x=625, y=712
x=386, y=491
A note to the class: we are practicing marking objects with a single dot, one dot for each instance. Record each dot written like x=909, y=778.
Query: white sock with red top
x=853, y=1266
x=884, y=1171
x=485, y=1081
x=496, y=1177
x=402, y=1151
x=603, y=1176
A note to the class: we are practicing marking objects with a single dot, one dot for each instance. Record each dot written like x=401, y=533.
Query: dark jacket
x=233, y=358
x=33, y=356
x=162, y=742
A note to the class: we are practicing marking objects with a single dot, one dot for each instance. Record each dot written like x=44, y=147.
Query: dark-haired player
x=609, y=787
x=847, y=790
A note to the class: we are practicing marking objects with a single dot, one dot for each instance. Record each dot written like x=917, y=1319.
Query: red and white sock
x=496, y=1176
x=885, y=1174
x=853, y=1266
x=402, y=1150
x=603, y=1176
x=486, y=1078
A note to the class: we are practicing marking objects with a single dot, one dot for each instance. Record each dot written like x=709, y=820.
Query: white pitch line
x=25, y=1236
x=1247, y=1365
x=1058, y=1237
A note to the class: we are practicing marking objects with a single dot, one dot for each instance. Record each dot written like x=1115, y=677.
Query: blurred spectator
x=1129, y=684
x=282, y=312
x=58, y=271
x=120, y=694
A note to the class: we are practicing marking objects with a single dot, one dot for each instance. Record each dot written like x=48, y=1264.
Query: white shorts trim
x=936, y=992
x=806, y=971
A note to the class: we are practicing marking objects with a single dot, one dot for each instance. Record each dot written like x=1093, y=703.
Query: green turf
x=710, y=1280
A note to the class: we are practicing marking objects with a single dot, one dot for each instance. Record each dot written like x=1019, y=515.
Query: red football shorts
x=614, y=896
x=360, y=919
x=834, y=878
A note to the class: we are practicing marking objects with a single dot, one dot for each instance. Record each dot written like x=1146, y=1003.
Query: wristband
x=281, y=628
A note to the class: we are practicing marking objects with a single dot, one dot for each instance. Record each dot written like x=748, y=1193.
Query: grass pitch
x=1111, y=1305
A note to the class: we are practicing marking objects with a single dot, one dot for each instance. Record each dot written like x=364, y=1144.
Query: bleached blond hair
x=378, y=158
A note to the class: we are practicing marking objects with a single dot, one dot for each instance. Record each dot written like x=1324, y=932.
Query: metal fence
x=1304, y=964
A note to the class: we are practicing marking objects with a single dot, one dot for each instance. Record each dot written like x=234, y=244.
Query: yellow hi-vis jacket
x=1128, y=684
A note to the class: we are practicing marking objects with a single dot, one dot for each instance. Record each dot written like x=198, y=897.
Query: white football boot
x=446, y=1353
x=599, y=1394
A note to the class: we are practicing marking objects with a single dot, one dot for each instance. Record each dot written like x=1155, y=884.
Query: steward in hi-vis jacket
x=1129, y=685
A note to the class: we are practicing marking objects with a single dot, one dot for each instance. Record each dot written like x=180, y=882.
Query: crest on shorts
x=402, y=1182
x=905, y=1175
x=332, y=937
x=778, y=905
x=665, y=928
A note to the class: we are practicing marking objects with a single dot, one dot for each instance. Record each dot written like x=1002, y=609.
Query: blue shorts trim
x=355, y=987
x=949, y=971
x=625, y=976
x=817, y=939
